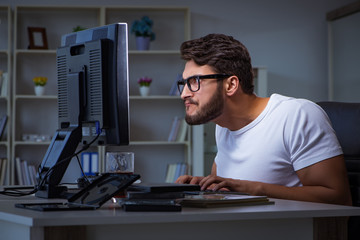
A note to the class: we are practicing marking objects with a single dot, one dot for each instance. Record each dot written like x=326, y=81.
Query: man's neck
x=240, y=111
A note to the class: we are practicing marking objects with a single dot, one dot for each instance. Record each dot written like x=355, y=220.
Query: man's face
x=207, y=103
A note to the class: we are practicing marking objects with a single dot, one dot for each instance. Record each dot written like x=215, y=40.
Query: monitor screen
x=93, y=99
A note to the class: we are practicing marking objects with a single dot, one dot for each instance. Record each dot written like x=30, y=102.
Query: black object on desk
x=156, y=197
x=164, y=187
x=92, y=197
x=151, y=205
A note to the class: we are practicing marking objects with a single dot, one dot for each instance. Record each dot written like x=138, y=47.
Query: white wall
x=287, y=36
x=346, y=58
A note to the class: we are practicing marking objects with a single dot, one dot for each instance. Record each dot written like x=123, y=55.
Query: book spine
x=94, y=163
x=174, y=126
x=18, y=171
x=85, y=163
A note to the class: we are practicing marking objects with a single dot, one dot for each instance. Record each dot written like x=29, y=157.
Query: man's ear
x=232, y=85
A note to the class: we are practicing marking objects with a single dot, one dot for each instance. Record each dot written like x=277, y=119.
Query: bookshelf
x=5, y=101
x=151, y=116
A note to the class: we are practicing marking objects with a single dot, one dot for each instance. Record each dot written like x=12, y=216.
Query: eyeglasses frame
x=218, y=76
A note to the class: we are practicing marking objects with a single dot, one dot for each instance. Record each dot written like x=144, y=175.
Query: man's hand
x=189, y=179
x=210, y=182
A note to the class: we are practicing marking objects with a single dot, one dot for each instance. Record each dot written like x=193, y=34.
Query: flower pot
x=144, y=91
x=39, y=90
x=142, y=43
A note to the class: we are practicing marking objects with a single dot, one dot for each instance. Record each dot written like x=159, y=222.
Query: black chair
x=345, y=118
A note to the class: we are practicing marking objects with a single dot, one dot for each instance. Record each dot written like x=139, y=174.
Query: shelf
x=23, y=143
x=4, y=143
x=34, y=51
x=155, y=97
x=134, y=143
x=154, y=52
x=44, y=97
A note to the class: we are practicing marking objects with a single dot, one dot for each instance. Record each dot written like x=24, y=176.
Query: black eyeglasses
x=193, y=82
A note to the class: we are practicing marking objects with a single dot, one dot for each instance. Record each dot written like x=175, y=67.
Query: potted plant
x=40, y=83
x=143, y=32
x=144, y=85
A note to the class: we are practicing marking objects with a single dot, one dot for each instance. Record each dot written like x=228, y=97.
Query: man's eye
x=192, y=80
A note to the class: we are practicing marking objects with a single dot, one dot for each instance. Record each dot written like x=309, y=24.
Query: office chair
x=345, y=118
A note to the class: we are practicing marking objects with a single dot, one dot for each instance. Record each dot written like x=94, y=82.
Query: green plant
x=78, y=28
x=143, y=28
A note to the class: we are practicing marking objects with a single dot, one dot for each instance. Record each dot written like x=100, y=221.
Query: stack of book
x=178, y=130
x=25, y=173
x=174, y=171
x=90, y=163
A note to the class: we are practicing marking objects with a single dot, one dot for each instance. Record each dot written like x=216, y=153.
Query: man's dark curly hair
x=224, y=54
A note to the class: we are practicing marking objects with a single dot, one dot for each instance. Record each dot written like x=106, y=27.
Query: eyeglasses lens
x=193, y=84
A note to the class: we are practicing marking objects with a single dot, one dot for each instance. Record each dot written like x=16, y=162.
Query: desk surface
x=111, y=214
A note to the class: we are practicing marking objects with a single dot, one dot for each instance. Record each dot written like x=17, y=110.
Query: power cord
x=18, y=191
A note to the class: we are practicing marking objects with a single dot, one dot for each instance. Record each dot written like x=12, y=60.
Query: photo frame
x=37, y=38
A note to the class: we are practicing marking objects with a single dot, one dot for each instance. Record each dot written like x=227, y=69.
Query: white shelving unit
x=151, y=117
x=5, y=102
x=37, y=115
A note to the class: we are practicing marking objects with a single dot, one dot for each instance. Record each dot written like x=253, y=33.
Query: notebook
x=222, y=200
x=163, y=187
x=91, y=197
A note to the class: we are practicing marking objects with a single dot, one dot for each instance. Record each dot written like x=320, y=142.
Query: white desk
x=282, y=220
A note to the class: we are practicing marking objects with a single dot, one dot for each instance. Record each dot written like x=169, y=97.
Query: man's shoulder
x=292, y=104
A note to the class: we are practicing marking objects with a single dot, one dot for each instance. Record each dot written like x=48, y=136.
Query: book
x=3, y=121
x=90, y=163
x=222, y=200
x=170, y=173
x=174, y=171
x=85, y=162
x=19, y=176
x=178, y=130
x=150, y=195
x=4, y=84
x=181, y=135
x=25, y=172
x=32, y=173
x=94, y=166
x=174, y=129
x=3, y=162
x=163, y=187
x=174, y=88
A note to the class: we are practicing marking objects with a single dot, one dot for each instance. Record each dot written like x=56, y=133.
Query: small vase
x=39, y=90
x=142, y=43
x=144, y=91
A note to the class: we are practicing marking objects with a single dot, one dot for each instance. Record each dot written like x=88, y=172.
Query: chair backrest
x=345, y=118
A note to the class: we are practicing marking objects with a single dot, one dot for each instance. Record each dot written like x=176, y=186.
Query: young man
x=280, y=147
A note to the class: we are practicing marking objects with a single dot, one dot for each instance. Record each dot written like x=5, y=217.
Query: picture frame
x=37, y=38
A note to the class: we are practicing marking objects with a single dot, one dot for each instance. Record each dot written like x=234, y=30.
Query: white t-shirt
x=290, y=134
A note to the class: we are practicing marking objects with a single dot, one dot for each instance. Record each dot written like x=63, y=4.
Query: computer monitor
x=93, y=100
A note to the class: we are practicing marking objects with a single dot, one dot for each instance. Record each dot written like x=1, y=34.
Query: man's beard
x=209, y=111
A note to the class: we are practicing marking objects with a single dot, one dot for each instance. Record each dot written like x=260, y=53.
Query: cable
x=16, y=191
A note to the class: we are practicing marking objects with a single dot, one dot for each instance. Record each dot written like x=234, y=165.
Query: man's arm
x=325, y=181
